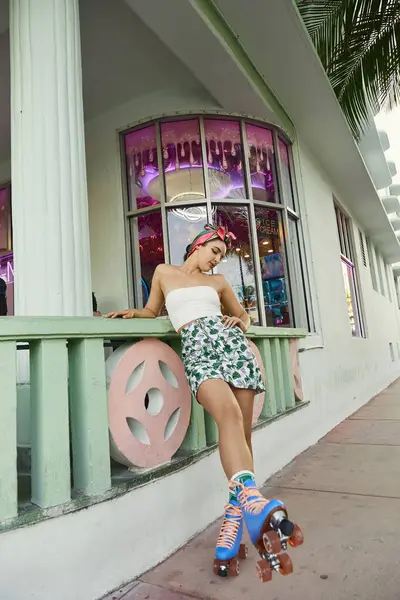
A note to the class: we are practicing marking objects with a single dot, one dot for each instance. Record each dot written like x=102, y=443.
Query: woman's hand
x=129, y=313
x=234, y=322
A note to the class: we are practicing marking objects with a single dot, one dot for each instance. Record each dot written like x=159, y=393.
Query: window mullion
x=289, y=268
x=137, y=268
x=205, y=169
x=346, y=237
x=293, y=181
x=340, y=230
x=164, y=221
x=127, y=223
x=278, y=169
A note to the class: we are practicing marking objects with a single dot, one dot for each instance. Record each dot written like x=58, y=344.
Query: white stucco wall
x=344, y=369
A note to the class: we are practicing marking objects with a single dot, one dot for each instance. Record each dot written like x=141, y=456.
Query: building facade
x=131, y=125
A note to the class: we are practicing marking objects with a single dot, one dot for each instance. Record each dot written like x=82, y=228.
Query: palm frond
x=358, y=42
x=323, y=19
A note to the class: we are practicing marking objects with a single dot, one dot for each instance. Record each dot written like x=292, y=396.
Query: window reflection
x=348, y=271
x=176, y=185
x=297, y=277
x=238, y=265
x=147, y=236
x=5, y=219
x=262, y=162
x=7, y=276
x=272, y=259
x=184, y=223
x=182, y=161
x=224, y=159
x=287, y=190
x=142, y=166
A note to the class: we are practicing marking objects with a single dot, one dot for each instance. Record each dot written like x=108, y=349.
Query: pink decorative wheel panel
x=149, y=404
x=294, y=357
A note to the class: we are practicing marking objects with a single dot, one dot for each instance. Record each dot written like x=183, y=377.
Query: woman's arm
x=153, y=306
x=231, y=304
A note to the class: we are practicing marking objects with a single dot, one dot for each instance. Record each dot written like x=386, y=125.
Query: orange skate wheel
x=297, y=537
x=272, y=542
x=286, y=565
x=264, y=571
x=234, y=568
x=243, y=551
x=220, y=568
x=216, y=567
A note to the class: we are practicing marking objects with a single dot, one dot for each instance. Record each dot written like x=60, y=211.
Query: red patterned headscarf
x=210, y=232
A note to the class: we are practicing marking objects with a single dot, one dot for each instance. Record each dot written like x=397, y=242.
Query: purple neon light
x=152, y=174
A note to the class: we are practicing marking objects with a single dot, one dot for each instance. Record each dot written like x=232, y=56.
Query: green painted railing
x=68, y=401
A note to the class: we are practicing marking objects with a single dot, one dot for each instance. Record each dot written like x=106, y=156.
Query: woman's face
x=210, y=254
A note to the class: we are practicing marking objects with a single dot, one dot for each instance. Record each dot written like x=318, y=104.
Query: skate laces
x=250, y=498
x=230, y=526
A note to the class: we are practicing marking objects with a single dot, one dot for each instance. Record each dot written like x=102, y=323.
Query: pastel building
x=125, y=127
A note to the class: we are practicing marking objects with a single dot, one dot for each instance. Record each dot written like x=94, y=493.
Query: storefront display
x=185, y=172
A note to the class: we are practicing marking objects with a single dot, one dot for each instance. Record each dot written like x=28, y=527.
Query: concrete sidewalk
x=345, y=494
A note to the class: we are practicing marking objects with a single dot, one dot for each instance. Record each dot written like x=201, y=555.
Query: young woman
x=224, y=377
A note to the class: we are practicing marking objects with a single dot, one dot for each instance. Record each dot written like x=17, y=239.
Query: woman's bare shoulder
x=218, y=281
x=165, y=270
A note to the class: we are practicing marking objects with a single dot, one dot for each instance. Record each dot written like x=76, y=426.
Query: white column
x=48, y=169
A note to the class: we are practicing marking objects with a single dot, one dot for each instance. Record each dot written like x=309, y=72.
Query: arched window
x=184, y=172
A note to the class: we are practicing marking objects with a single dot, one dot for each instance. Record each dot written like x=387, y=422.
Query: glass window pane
x=184, y=223
x=351, y=298
x=147, y=251
x=262, y=163
x=388, y=279
x=340, y=230
x=5, y=219
x=224, y=159
x=287, y=189
x=6, y=288
x=273, y=260
x=297, y=279
x=142, y=168
x=183, y=163
x=238, y=265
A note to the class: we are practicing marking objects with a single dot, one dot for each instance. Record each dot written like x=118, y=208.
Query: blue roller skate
x=269, y=529
x=229, y=547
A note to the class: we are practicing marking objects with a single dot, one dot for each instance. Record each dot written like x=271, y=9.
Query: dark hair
x=94, y=302
x=188, y=247
x=210, y=232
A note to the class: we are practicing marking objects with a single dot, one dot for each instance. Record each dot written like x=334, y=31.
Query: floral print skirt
x=210, y=350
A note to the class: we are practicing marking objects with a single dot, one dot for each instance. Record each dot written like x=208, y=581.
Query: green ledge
x=24, y=329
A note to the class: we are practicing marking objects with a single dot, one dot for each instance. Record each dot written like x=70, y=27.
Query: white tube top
x=190, y=303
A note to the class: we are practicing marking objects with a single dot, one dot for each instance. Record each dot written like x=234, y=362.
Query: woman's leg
x=219, y=401
x=245, y=399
